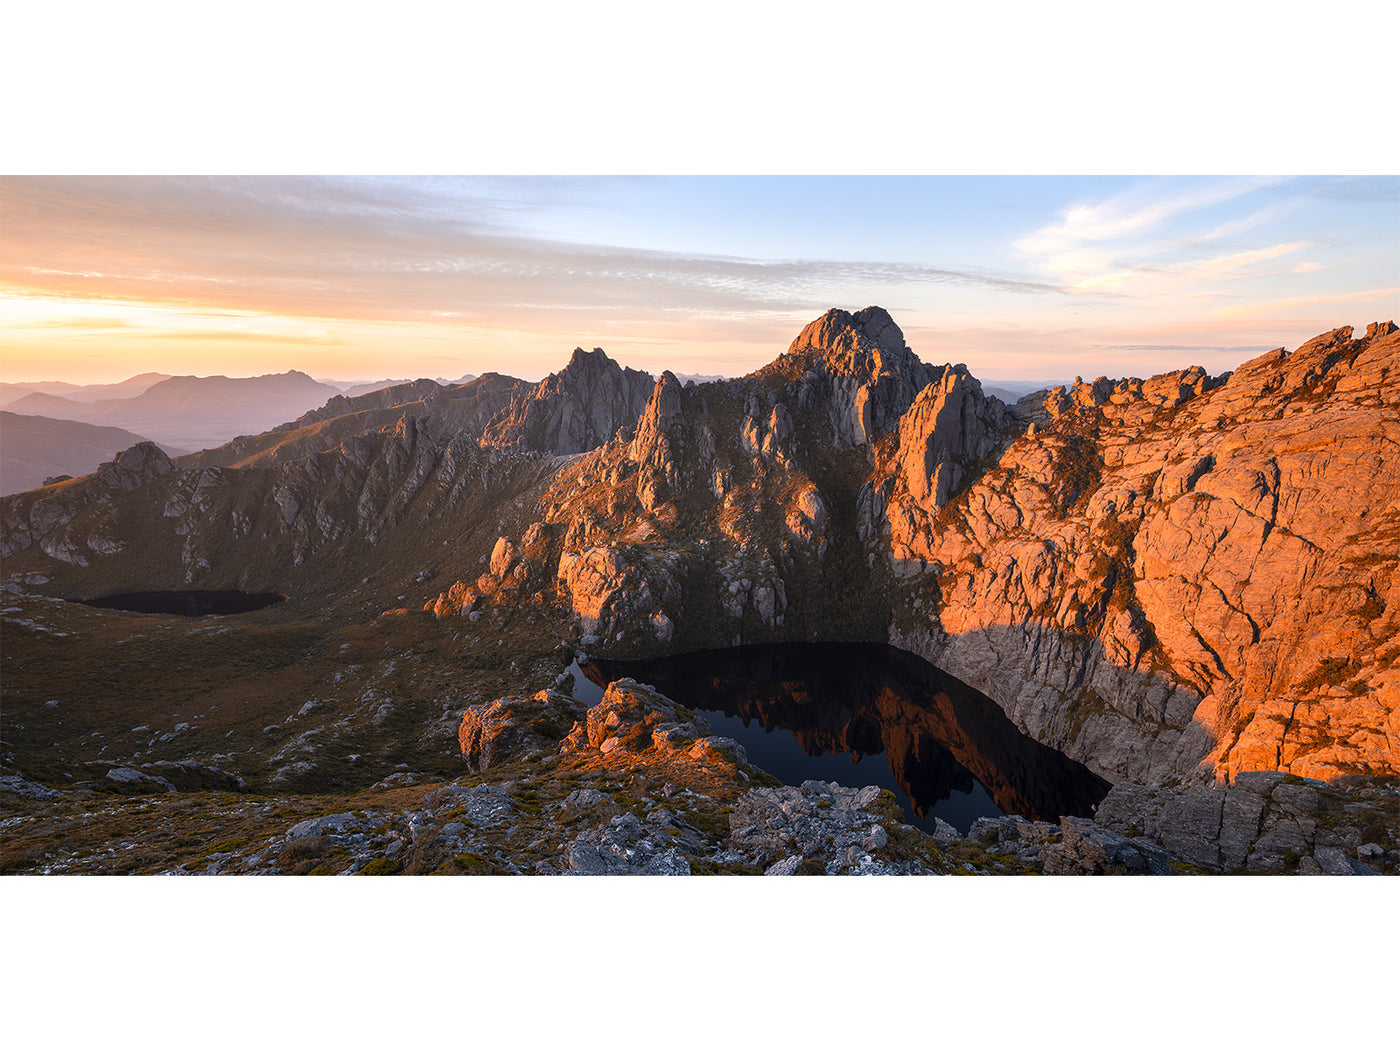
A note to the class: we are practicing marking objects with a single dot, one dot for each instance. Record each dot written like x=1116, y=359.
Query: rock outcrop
x=1261, y=822
x=514, y=727
x=780, y=829
x=573, y=410
x=854, y=372
x=142, y=462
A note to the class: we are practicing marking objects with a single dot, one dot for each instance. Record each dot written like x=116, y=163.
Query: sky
x=360, y=277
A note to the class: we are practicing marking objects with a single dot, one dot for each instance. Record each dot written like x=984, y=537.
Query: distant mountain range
x=55, y=428
x=356, y=389
x=11, y=392
x=191, y=411
x=1012, y=390
x=34, y=448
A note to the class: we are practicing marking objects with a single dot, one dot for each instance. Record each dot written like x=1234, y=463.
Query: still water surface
x=187, y=603
x=867, y=714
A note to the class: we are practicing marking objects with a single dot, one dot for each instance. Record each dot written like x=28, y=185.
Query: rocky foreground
x=638, y=785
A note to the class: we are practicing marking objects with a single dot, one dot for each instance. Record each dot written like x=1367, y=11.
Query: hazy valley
x=50, y=429
x=1180, y=585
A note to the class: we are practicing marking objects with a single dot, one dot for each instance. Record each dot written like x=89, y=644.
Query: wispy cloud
x=1351, y=189
x=1135, y=241
x=1273, y=307
x=386, y=250
x=262, y=337
x=1235, y=227
x=1234, y=264
x=1127, y=215
x=1157, y=348
x=83, y=324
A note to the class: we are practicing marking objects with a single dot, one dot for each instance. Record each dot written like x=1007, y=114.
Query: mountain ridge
x=34, y=448
x=84, y=392
x=849, y=491
x=193, y=411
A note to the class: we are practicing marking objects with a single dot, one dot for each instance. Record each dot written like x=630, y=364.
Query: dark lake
x=867, y=714
x=187, y=603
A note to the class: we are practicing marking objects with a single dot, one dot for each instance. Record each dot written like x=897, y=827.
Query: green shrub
x=383, y=866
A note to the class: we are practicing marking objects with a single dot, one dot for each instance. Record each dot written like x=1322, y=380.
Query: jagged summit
x=582, y=358
x=857, y=368
x=841, y=343
x=575, y=409
x=839, y=329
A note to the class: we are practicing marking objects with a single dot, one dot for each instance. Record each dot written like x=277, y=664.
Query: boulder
x=624, y=846
x=515, y=727
x=1088, y=849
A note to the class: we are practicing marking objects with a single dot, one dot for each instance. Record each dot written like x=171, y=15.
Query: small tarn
x=187, y=603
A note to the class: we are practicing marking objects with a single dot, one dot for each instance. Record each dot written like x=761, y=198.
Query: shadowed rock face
x=573, y=410
x=853, y=372
x=937, y=733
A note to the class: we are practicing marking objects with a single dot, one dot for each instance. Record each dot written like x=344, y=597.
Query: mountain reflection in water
x=940, y=736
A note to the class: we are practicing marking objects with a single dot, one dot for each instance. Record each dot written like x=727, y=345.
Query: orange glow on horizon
x=100, y=341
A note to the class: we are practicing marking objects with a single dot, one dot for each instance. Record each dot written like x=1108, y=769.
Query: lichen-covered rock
x=624, y=846
x=135, y=780
x=516, y=726
x=1088, y=849
x=780, y=828
x=635, y=714
x=25, y=788
x=1262, y=822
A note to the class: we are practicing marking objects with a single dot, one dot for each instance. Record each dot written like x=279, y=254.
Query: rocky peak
x=950, y=425
x=582, y=360
x=650, y=444
x=587, y=370
x=575, y=409
x=854, y=368
x=863, y=343
x=135, y=466
x=388, y=397
x=658, y=444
